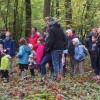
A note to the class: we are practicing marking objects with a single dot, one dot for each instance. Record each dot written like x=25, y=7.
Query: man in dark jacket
x=56, y=44
x=71, y=35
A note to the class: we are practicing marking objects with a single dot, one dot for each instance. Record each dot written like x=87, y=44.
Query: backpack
x=85, y=50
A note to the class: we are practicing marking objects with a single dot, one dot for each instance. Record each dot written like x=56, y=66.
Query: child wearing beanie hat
x=5, y=66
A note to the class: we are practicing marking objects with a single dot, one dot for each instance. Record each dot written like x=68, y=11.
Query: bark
x=52, y=8
x=15, y=31
x=28, y=17
x=47, y=4
x=68, y=14
x=57, y=8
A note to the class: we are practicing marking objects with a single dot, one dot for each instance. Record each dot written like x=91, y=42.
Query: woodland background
x=18, y=16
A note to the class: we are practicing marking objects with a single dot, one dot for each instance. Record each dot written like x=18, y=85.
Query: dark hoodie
x=98, y=48
x=56, y=37
x=88, y=43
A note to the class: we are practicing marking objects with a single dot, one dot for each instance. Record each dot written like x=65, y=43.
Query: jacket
x=5, y=63
x=23, y=54
x=33, y=40
x=56, y=37
x=88, y=42
x=71, y=47
x=98, y=48
x=9, y=44
x=79, y=53
x=47, y=46
x=40, y=54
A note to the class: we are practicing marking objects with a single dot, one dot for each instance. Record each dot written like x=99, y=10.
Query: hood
x=55, y=24
x=90, y=34
x=27, y=49
x=79, y=44
x=8, y=56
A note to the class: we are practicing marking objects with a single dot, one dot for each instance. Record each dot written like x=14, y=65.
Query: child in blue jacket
x=23, y=56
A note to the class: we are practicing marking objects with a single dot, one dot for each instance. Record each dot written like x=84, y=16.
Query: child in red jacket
x=40, y=50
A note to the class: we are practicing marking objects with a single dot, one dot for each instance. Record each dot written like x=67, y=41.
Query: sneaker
x=25, y=79
x=97, y=77
x=5, y=80
x=43, y=78
x=24, y=75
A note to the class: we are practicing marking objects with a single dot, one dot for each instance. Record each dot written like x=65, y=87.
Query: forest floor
x=71, y=87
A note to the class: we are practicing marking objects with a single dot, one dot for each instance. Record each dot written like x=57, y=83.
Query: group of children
x=31, y=59
x=28, y=58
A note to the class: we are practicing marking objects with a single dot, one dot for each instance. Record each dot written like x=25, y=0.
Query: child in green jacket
x=5, y=66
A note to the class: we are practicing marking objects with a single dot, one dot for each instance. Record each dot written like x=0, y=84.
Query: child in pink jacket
x=40, y=50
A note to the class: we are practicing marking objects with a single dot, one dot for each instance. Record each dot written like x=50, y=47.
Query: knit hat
x=6, y=51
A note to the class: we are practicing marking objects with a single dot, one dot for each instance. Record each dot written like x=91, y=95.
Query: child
x=79, y=56
x=40, y=50
x=23, y=55
x=5, y=66
x=32, y=60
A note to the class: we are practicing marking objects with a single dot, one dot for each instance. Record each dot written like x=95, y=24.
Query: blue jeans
x=46, y=59
x=57, y=61
x=93, y=62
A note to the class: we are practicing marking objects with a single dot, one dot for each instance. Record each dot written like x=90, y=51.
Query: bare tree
x=28, y=17
x=52, y=8
x=57, y=8
x=47, y=4
x=15, y=19
x=68, y=13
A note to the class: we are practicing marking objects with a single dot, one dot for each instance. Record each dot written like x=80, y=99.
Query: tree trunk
x=68, y=13
x=5, y=16
x=15, y=20
x=52, y=9
x=47, y=4
x=57, y=8
x=28, y=18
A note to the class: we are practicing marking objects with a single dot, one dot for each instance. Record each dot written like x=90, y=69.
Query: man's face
x=69, y=33
x=7, y=35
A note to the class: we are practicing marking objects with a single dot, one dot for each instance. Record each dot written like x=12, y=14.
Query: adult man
x=8, y=43
x=56, y=45
x=71, y=35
